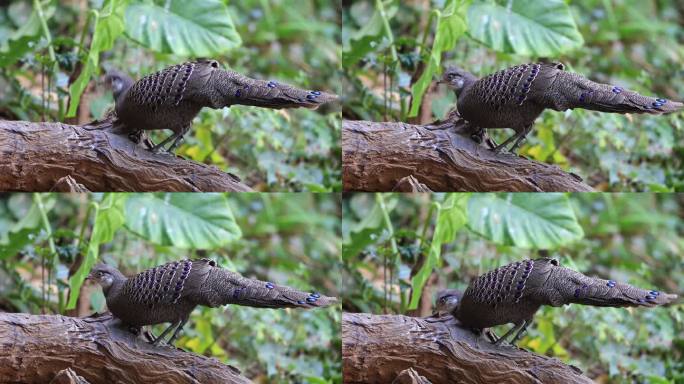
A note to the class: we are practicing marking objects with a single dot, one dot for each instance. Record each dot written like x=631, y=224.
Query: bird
x=514, y=292
x=170, y=292
x=514, y=97
x=172, y=97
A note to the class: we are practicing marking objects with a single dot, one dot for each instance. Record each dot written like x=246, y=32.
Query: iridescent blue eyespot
x=661, y=101
x=311, y=299
x=610, y=283
x=650, y=297
x=640, y=300
x=656, y=104
x=269, y=285
x=654, y=293
x=311, y=97
x=617, y=90
x=316, y=92
x=271, y=84
x=315, y=294
x=300, y=302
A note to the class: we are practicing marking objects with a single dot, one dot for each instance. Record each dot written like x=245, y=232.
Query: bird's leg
x=166, y=331
x=520, y=139
x=505, y=143
x=516, y=327
x=491, y=335
x=178, y=328
x=521, y=331
x=179, y=138
x=163, y=143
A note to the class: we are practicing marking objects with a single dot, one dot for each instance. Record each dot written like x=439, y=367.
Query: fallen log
x=380, y=348
x=441, y=157
x=95, y=350
x=92, y=157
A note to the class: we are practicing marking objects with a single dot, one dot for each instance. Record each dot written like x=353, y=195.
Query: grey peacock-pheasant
x=168, y=293
x=514, y=292
x=514, y=97
x=172, y=97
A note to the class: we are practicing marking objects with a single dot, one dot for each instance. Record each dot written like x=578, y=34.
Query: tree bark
x=92, y=157
x=38, y=349
x=441, y=157
x=377, y=348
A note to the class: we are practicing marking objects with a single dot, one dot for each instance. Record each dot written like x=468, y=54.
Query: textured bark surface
x=377, y=348
x=440, y=157
x=60, y=157
x=38, y=349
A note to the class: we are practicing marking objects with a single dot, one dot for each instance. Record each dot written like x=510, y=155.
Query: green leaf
x=182, y=220
x=367, y=231
x=108, y=27
x=22, y=232
x=451, y=217
x=187, y=28
x=525, y=27
x=370, y=36
x=108, y=219
x=451, y=24
x=25, y=38
x=526, y=220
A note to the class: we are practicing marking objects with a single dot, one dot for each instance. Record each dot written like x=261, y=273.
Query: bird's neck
x=468, y=80
x=126, y=84
x=116, y=287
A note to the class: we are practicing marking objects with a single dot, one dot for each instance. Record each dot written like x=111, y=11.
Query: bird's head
x=118, y=82
x=447, y=302
x=456, y=78
x=104, y=275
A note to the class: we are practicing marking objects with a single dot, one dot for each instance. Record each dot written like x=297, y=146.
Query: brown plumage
x=170, y=292
x=172, y=97
x=514, y=97
x=514, y=292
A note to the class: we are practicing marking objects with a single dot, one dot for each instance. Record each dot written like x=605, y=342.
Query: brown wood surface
x=384, y=157
x=43, y=348
x=378, y=348
x=72, y=158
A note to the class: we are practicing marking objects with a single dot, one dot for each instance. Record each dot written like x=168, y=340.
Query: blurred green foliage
x=390, y=49
x=389, y=240
x=292, y=239
x=53, y=54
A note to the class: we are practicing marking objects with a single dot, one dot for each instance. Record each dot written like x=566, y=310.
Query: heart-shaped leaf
x=182, y=220
x=198, y=28
x=526, y=27
x=527, y=220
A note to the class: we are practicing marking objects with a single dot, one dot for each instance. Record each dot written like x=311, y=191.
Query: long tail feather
x=233, y=288
x=580, y=92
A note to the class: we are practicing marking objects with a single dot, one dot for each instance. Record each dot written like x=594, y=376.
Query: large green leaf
x=108, y=25
x=187, y=28
x=182, y=220
x=451, y=217
x=451, y=24
x=108, y=219
x=527, y=220
x=526, y=27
